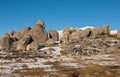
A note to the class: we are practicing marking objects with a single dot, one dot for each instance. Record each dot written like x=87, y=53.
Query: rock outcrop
x=5, y=42
x=32, y=46
x=50, y=42
x=86, y=33
x=39, y=34
x=73, y=40
x=23, y=42
x=21, y=34
x=106, y=30
x=53, y=34
x=98, y=32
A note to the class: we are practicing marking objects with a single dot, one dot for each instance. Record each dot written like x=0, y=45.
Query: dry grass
x=30, y=72
x=88, y=71
x=63, y=52
x=51, y=63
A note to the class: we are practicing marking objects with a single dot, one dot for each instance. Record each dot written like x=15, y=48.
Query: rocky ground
x=37, y=64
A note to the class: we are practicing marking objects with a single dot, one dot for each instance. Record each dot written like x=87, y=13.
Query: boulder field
x=72, y=40
x=29, y=38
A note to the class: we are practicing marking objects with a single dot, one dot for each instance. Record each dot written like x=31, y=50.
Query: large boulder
x=118, y=33
x=21, y=34
x=65, y=35
x=54, y=35
x=50, y=42
x=5, y=42
x=97, y=32
x=75, y=36
x=65, y=38
x=23, y=42
x=32, y=46
x=106, y=29
x=39, y=34
x=66, y=29
x=86, y=33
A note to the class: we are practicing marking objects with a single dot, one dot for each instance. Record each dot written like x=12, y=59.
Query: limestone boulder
x=23, y=42
x=75, y=36
x=86, y=33
x=65, y=35
x=97, y=32
x=67, y=29
x=65, y=38
x=106, y=29
x=39, y=34
x=21, y=34
x=5, y=42
x=50, y=42
x=32, y=46
x=54, y=35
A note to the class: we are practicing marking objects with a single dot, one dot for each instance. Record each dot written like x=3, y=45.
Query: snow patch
x=113, y=32
x=87, y=27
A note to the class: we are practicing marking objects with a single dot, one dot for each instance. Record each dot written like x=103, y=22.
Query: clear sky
x=18, y=14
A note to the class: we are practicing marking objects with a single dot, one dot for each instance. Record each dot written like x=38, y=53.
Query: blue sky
x=18, y=14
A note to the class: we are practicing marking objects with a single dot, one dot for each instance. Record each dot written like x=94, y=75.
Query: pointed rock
x=40, y=22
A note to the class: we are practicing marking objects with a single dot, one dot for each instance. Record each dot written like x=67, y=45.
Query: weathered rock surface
x=5, y=42
x=32, y=46
x=21, y=34
x=65, y=35
x=99, y=32
x=40, y=22
x=75, y=36
x=50, y=42
x=54, y=35
x=106, y=30
x=39, y=34
x=86, y=33
x=23, y=42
